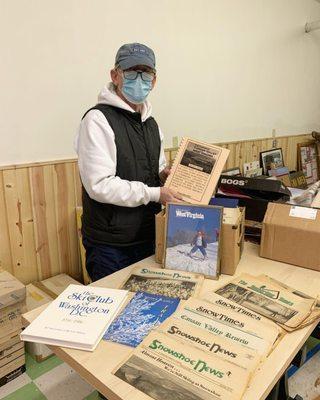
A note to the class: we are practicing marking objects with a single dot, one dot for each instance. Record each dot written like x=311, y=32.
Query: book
x=164, y=368
x=167, y=282
x=77, y=318
x=144, y=312
x=192, y=238
x=196, y=170
x=268, y=299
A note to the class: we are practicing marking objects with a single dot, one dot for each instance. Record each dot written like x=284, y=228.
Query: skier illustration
x=199, y=243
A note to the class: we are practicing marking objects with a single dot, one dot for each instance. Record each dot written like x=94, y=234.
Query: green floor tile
x=312, y=342
x=27, y=392
x=93, y=396
x=35, y=369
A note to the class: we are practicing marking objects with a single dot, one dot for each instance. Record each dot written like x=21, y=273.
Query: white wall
x=227, y=69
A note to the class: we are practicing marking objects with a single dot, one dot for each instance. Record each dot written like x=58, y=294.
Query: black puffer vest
x=138, y=150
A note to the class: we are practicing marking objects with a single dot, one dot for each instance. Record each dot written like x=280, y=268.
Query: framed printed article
x=271, y=159
x=308, y=161
x=192, y=238
x=196, y=170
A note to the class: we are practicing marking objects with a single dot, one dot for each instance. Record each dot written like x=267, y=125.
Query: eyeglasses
x=145, y=76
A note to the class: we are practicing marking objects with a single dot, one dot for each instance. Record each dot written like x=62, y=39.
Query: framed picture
x=252, y=169
x=307, y=159
x=192, y=238
x=232, y=171
x=271, y=159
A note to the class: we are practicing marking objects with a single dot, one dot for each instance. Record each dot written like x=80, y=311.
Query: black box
x=253, y=193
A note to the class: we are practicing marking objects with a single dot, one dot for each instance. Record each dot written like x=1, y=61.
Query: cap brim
x=136, y=60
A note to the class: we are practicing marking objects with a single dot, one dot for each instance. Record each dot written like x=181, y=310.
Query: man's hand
x=164, y=175
x=169, y=195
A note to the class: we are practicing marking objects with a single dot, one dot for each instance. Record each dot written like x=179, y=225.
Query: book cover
x=77, y=318
x=144, y=312
x=169, y=283
x=192, y=238
x=196, y=170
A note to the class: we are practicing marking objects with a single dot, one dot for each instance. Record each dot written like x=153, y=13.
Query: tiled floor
x=49, y=380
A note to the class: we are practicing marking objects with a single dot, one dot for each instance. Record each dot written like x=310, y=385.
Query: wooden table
x=95, y=367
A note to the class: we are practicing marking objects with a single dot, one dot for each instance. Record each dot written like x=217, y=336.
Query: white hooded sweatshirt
x=97, y=157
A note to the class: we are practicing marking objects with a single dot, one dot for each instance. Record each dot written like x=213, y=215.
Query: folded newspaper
x=164, y=368
x=315, y=313
x=222, y=302
x=165, y=282
x=211, y=343
x=239, y=329
x=268, y=299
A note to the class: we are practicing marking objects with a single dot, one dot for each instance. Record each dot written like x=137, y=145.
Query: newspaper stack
x=205, y=350
x=165, y=368
x=285, y=306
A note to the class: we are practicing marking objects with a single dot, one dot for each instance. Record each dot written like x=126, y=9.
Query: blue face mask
x=137, y=90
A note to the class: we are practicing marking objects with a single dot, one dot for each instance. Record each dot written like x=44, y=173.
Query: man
x=199, y=243
x=122, y=166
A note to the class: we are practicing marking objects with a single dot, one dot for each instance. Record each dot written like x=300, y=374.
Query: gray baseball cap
x=132, y=54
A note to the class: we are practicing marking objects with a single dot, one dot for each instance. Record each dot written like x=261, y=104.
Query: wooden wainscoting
x=38, y=234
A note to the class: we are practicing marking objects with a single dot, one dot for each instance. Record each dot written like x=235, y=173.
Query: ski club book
x=144, y=312
x=77, y=318
x=192, y=238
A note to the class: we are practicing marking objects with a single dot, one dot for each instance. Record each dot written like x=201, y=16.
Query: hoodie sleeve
x=97, y=159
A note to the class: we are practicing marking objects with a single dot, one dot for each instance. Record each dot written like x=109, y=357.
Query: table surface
x=96, y=367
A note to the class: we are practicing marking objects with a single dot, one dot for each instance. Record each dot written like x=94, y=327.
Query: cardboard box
x=12, y=291
x=232, y=239
x=160, y=229
x=232, y=236
x=8, y=368
x=11, y=353
x=291, y=239
x=10, y=318
x=10, y=340
x=39, y=293
x=12, y=375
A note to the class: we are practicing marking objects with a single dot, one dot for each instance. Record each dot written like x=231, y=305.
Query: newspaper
x=281, y=306
x=165, y=282
x=196, y=170
x=164, y=368
x=315, y=313
x=239, y=329
x=222, y=348
x=222, y=302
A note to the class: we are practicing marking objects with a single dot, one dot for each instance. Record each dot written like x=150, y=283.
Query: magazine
x=267, y=299
x=164, y=368
x=206, y=341
x=166, y=282
x=236, y=328
x=192, y=238
x=144, y=312
x=196, y=170
x=77, y=318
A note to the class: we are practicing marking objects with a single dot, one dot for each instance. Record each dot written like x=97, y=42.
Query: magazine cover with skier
x=192, y=238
